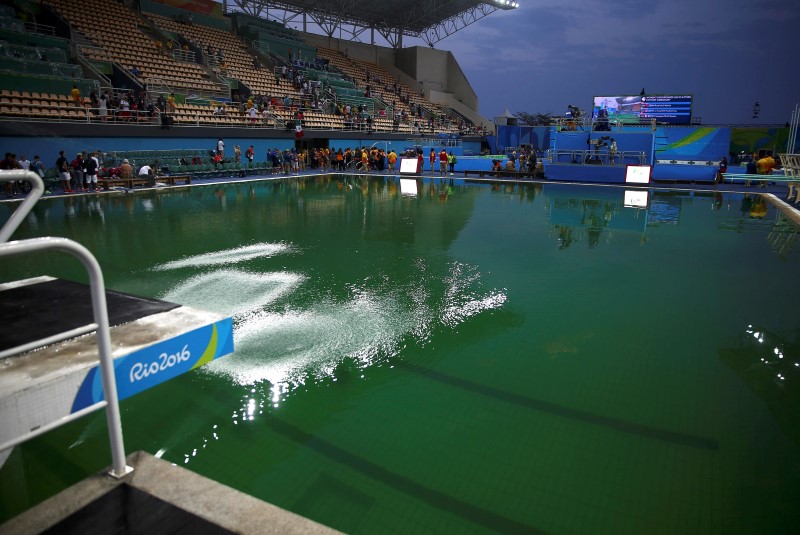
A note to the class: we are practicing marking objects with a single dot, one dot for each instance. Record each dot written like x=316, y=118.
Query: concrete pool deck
x=157, y=497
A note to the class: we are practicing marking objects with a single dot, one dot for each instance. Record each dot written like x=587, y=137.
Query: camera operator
x=602, y=119
x=573, y=113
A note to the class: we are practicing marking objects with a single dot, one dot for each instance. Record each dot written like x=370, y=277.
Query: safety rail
x=435, y=142
x=184, y=55
x=100, y=325
x=592, y=157
x=88, y=55
x=45, y=29
x=18, y=112
x=791, y=165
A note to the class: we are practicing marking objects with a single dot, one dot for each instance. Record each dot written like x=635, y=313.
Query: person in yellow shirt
x=76, y=95
x=765, y=166
x=392, y=160
x=769, y=164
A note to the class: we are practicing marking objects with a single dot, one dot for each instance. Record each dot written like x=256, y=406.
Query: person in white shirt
x=24, y=163
x=145, y=170
x=220, y=147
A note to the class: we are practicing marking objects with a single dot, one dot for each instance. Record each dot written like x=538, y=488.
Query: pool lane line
x=633, y=428
x=400, y=483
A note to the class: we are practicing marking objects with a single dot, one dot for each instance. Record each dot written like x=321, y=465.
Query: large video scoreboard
x=641, y=109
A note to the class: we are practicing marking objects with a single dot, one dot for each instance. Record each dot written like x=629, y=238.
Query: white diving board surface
x=41, y=386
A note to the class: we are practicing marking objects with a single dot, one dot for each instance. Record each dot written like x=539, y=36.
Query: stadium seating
x=238, y=59
x=125, y=37
x=115, y=28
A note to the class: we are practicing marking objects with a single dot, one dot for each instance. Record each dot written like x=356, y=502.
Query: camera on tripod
x=574, y=110
x=602, y=141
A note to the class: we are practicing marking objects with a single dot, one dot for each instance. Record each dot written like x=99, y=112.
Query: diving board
x=152, y=342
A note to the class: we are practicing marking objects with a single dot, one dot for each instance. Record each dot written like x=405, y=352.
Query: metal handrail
x=100, y=311
x=40, y=28
x=583, y=157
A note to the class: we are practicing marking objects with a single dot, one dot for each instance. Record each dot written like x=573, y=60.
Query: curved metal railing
x=100, y=324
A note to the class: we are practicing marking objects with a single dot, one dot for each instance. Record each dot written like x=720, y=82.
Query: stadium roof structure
x=429, y=20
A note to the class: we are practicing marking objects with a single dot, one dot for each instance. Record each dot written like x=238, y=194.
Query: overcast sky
x=550, y=53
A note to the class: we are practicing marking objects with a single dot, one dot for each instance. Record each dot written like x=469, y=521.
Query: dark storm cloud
x=549, y=53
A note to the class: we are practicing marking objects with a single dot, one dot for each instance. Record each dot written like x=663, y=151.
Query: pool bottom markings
x=398, y=482
x=645, y=431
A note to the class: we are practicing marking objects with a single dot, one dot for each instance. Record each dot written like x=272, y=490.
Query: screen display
x=637, y=174
x=641, y=109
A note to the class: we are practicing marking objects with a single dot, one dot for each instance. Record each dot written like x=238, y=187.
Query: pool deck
x=775, y=192
x=157, y=497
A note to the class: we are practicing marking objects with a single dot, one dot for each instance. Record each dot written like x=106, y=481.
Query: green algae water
x=468, y=359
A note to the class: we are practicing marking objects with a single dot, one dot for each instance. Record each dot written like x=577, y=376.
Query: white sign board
x=637, y=174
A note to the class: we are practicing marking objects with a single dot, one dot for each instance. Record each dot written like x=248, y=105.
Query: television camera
x=596, y=145
x=602, y=141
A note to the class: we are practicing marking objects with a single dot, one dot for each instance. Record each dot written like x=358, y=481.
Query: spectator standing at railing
x=24, y=163
x=102, y=106
x=76, y=96
x=124, y=108
x=220, y=147
x=171, y=102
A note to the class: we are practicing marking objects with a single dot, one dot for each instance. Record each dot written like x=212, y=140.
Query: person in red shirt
x=442, y=162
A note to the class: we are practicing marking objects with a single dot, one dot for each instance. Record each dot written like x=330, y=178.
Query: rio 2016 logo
x=141, y=371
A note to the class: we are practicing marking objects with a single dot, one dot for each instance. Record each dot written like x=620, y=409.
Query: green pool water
x=470, y=359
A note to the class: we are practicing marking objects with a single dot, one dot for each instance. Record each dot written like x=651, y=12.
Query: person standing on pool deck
x=90, y=175
x=63, y=172
x=443, y=162
x=723, y=168
x=432, y=158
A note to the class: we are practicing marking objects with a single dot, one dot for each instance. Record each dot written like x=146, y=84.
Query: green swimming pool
x=468, y=359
